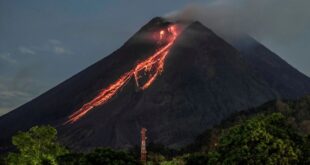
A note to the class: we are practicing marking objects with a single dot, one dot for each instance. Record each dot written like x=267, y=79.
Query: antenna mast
x=143, y=145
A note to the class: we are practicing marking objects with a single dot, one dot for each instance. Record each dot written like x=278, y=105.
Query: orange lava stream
x=152, y=66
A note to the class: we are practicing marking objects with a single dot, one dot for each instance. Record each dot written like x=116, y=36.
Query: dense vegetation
x=98, y=156
x=275, y=133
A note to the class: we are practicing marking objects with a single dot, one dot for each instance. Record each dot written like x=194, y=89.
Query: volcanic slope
x=281, y=76
x=204, y=80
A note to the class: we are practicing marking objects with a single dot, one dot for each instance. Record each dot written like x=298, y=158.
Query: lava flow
x=151, y=67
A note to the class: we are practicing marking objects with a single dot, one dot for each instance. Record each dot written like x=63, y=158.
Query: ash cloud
x=281, y=20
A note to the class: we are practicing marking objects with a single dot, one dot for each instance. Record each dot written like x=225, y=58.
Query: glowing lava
x=150, y=68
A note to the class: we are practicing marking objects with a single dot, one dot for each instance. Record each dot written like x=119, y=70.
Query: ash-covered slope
x=203, y=82
x=286, y=80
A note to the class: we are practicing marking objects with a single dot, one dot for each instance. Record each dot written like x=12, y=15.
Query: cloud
x=57, y=47
x=51, y=46
x=4, y=110
x=25, y=50
x=7, y=57
x=60, y=50
x=11, y=96
x=11, y=99
x=55, y=42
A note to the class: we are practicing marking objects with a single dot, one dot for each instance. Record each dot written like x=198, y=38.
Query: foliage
x=2, y=158
x=174, y=161
x=160, y=154
x=155, y=158
x=260, y=140
x=158, y=159
x=197, y=159
x=36, y=146
x=162, y=150
x=104, y=156
x=71, y=159
x=202, y=141
x=109, y=157
x=306, y=151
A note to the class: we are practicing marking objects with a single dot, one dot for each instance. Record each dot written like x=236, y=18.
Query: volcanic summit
x=176, y=80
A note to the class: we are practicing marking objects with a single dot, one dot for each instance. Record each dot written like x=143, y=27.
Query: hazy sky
x=44, y=42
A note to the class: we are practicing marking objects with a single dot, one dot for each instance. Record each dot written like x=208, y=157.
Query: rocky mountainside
x=286, y=80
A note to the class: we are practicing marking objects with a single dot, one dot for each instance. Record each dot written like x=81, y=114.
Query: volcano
x=174, y=79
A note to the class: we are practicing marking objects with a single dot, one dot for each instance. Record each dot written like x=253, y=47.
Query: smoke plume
x=282, y=20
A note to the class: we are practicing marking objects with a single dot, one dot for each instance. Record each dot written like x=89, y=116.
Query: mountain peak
x=157, y=20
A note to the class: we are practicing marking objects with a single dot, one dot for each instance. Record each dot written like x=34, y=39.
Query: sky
x=44, y=42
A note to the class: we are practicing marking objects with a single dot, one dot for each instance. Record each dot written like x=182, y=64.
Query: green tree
x=265, y=139
x=37, y=146
x=197, y=159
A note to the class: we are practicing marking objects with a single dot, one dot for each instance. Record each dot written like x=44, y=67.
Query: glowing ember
x=161, y=34
x=150, y=68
